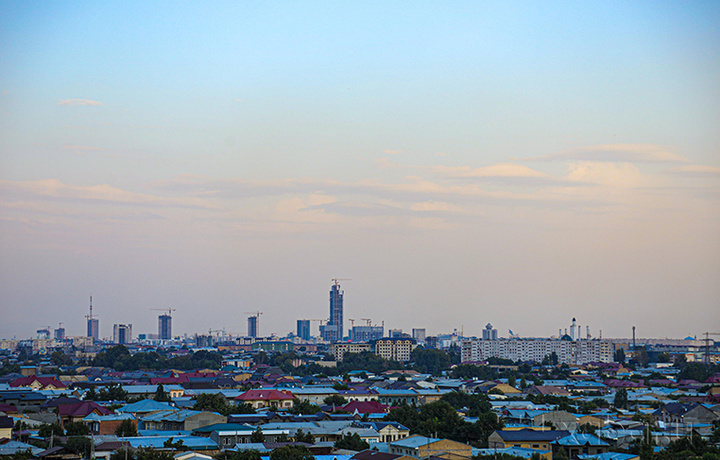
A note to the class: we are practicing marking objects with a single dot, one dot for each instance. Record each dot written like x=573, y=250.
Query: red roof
x=44, y=381
x=365, y=407
x=82, y=409
x=264, y=395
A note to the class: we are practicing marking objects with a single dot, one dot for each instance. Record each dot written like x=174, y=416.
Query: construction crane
x=308, y=319
x=169, y=310
x=352, y=322
x=90, y=316
x=336, y=281
x=366, y=319
x=706, y=357
x=254, y=313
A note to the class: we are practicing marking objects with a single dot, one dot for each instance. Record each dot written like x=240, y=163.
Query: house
x=23, y=400
x=38, y=383
x=148, y=391
x=180, y=420
x=685, y=413
x=6, y=427
x=267, y=398
x=145, y=406
x=517, y=452
x=526, y=438
x=376, y=455
x=417, y=446
x=560, y=419
x=75, y=412
x=576, y=444
x=547, y=390
x=228, y=435
x=106, y=424
x=609, y=456
x=365, y=407
x=389, y=431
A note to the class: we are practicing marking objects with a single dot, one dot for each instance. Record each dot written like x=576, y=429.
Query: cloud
x=697, y=171
x=392, y=152
x=618, y=153
x=55, y=190
x=79, y=102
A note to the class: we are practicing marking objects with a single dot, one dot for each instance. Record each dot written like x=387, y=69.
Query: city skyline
x=476, y=162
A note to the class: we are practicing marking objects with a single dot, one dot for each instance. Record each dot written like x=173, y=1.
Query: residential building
x=418, y=335
x=568, y=352
x=525, y=438
x=577, y=444
x=395, y=349
x=267, y=398
x=421, y=447
x=93, y=328
x=340, y=348
x=489, y=333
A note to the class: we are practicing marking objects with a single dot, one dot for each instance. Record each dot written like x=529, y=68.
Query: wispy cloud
x=697, y=171
x=619, y=153
x=55, y=190
x=80, y=149
x=392, y=152
x=79, y=102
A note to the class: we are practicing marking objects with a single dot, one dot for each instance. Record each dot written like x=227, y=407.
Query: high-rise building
x=60, y=334
x=333, y=331
x=93, y=328
x=165, y=327
x=418, y=335
x=122, y=333
x=489, y=333
x=367, y=333
x=252, y=326
x=303, y=329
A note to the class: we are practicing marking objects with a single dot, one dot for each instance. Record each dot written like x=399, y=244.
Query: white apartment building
x=568, y=351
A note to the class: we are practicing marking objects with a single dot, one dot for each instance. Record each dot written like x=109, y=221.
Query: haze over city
x=460, y=163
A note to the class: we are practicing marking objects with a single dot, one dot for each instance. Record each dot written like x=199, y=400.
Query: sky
x=459, y=163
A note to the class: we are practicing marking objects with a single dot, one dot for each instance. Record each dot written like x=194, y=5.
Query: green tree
x=175, y=445
x=76, y=429
x=619, y=356
x=46, y=430
x=161, y=395
x=214, y=402
x=257, y=435
x=351, y=442
x=621, y=399
x=303, y=407
x=291, y=453
x=152, y=454
x=79, y=445
x=123, y=453
x=335, y=400
x=126, y=428
x=693, y=371
x=301, y=436
x=430, y=360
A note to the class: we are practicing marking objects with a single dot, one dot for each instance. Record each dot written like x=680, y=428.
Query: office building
x=333, y=330
x=367, y=333
x=165, y=327
x=303, y=329
x=252, y=326
x=122, y=333
x=489, y=333
x=418, y=335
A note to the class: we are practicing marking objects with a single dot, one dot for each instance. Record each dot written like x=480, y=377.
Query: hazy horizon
x=466, y=163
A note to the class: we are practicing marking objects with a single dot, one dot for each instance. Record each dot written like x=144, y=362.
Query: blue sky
x=463, y=163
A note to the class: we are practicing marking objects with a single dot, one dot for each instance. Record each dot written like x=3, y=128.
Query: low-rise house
x=417, y=446
x=389, y=431
x=314, y=395
x=365, y=407
x=267, y=398
x=6, y=426
x=106, y=424
x=609, y=456
x=144, y=407
x=397, y=397
x=520, y=452
x=75, y=412
x=685, y=413
x=547, y=390
x=576, y=444
x=227, y=435
x=148, y=391
x=560, y=419
x=23, y=400
x=525, y=438
x=38, y=383
x=376, y=455
x=180, y=420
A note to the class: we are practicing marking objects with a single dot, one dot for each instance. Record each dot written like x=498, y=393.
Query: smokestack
x=633, y=337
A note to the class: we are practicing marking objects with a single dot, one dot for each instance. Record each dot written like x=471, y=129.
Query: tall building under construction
x=333, y=330
x=165, y=327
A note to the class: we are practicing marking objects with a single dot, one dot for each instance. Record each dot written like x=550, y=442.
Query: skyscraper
x=333, y=330
x=303, y=329
x=165, y=327
x=122, y=333
x=252, y=326
x=93, y=324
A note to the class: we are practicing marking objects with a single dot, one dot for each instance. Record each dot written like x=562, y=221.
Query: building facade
x=252, y=326
x=333, y=330
x=395, y=349
x=489, y=333
x=122, y=333
x=339, y=349
x=164, y=327
x=568, y=351
x=367, y=333
x=303, y=329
